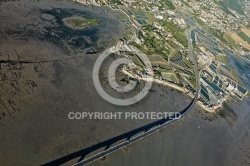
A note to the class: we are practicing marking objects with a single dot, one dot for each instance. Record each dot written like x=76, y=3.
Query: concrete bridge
x=129, y=137
x=132, y=140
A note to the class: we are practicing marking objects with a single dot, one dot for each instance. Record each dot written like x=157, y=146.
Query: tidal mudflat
x=47, y=73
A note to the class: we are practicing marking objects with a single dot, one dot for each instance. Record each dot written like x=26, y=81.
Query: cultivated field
x=239, y=40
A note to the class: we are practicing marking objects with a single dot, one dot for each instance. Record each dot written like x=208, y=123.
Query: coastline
x=168, y=84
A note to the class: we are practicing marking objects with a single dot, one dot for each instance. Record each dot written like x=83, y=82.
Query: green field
x=199, y=21
x=244, y=36
x=79, y=23
x=170, y=4
x=229, y=41
x=223, y=59
x=223, y=37
x=232, y=4
x=177, y=32
x=152, y=45
x=137, y=60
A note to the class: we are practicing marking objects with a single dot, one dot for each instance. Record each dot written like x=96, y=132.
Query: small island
x=80, y=22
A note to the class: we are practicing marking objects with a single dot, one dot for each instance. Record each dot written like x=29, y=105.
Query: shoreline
x=164, y=83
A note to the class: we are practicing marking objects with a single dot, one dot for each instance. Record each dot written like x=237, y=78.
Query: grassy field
x=170, y=4
x=137, y=60
x=177, y=32
x=230, y=41
x=244, y=37
x=153, y=45
x=222, y=59
x=79, y=22
x=198, y=20
x=232, y=4
x=224, y=37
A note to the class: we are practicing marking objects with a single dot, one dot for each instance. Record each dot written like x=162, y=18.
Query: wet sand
x=192, y=141
x=43, y=131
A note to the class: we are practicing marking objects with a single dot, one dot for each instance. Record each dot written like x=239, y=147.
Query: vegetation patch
x=244, y=37
x=80, y=22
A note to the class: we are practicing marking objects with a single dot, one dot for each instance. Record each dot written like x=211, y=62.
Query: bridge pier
x=107, y=147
